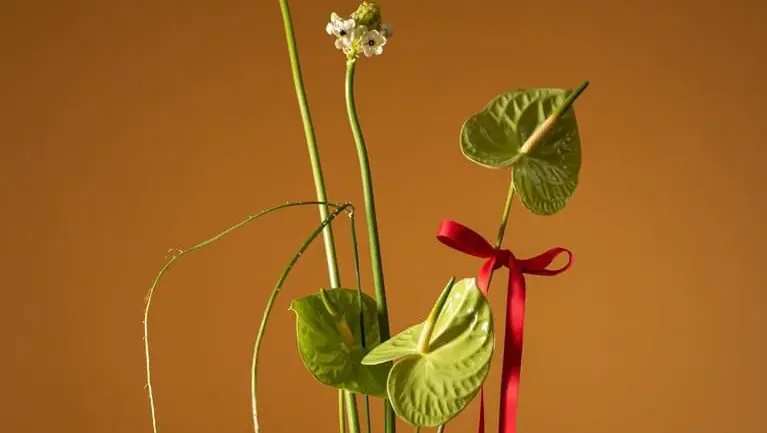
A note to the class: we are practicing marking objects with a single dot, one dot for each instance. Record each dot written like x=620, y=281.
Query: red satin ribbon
x=467, y=241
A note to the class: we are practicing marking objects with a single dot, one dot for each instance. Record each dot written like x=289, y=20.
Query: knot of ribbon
x=464, y=239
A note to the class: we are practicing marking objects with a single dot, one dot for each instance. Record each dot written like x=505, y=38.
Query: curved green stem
x=328, y=303
x=314, y=156
x=177, y=254
x=361, y=306
x=504, y=220
x=311, y=141
x=270, y=305
x=506, y=212
x=372, y=223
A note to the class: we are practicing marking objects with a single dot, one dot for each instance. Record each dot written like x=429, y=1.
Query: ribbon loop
x=462, y=238
x=539, y=265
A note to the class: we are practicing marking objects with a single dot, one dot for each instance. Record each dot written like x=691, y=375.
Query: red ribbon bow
x=467, y=241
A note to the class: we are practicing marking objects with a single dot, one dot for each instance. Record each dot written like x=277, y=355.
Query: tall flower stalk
x=364, y=34
x=348, y=399
x=372, y=225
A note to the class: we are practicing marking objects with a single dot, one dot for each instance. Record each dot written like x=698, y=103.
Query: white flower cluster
x=354, y=40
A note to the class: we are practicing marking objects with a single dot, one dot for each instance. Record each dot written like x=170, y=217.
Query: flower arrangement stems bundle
x=427, y=374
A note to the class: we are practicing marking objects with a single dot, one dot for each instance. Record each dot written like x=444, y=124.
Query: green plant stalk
x=441, y=428
x=352, y=417
x=268, y=311
x=177, y=254
x=328, y=303
x=361, y=305
x=504, y=220
x=311, y=141
x=506, y=211
x=372, y=224
x=341, y=412
x=314, y=155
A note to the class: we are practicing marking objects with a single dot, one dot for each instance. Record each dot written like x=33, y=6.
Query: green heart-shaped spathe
x=431, y=388
x=547, y=176
x=329, y=340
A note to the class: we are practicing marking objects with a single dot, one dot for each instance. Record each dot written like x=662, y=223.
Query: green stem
x=368, y=420
x=177, y=254
x=506, y=212
x=328, y=303
x=270, y=304
x=361, y=306
x=441, y=428
x=311, y=143
x=372, y=224
x=352, y=417
x=341, y=411
x=504, y=220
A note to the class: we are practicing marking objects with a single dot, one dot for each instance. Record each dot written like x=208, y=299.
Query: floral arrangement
x=428, y=373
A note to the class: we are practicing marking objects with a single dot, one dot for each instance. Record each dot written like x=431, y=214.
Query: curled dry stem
x=175, y=254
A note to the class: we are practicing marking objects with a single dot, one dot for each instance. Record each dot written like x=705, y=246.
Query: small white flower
x=338, y=26
x=372, y=43
x=343, y=30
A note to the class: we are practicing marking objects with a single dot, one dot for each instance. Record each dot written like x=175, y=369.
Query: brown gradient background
x=129, y=128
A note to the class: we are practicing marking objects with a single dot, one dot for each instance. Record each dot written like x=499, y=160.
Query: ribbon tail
x=483, y=280
x=512, y=351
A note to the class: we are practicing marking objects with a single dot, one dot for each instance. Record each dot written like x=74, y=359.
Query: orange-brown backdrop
x=128, y=128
